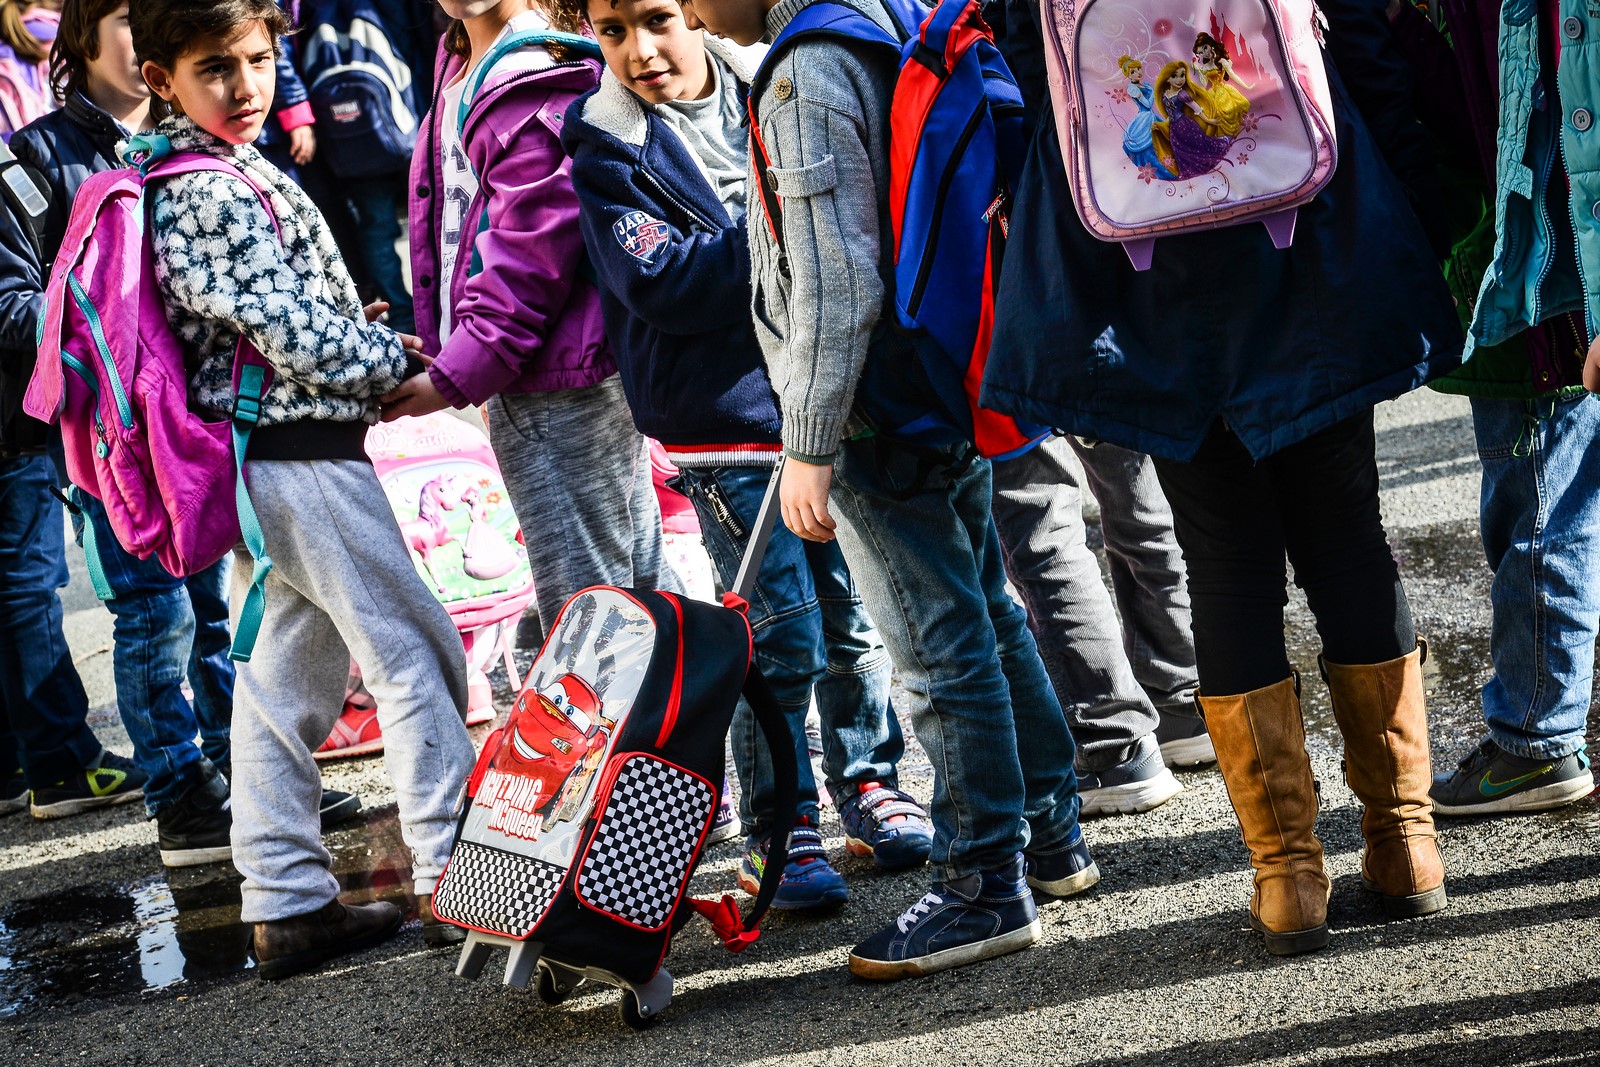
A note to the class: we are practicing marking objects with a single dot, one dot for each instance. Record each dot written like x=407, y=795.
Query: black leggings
x=1316, y=502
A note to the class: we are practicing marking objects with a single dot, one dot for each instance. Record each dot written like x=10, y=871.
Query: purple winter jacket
x=527, y=322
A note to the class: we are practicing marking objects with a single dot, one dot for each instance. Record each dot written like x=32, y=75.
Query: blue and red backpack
x=957, y=142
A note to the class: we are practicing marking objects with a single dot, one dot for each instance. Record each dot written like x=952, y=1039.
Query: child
x=675, y=283
x=342, y=581
x=500, y=294
x=166, y=628
x=25, y=35
x=914, y=526
x=1535, y=423
x=1250, y=374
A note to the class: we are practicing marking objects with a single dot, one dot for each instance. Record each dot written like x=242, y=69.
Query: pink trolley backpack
x=1183, y=115
x=172, y=481
x=588, y=810
x=446, y=492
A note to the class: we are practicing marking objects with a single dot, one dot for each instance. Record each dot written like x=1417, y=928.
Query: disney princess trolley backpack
x=1182, y=115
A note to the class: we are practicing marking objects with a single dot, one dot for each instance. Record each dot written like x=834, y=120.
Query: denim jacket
x=1529, y=281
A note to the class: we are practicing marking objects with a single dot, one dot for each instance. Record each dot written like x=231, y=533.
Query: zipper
x=672, y=197
x=81, y=369
x=81, y=298
x=723, y=512
x=1572, y=219
x=670, y=719
x=1544, y=221
x=939, y=198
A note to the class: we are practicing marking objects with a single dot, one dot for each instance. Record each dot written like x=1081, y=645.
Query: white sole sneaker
x=1544, y=798
x=196, y=857
x=1132, y=798
x=1196, y=751
x=960, y=956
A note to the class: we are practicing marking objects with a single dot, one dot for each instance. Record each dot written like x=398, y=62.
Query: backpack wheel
x=552, y=988
x=632, y=1014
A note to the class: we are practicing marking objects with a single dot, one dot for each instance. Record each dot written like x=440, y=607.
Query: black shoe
x=338, y=807
x=13, y=794
x=113, y=779
x=1140, y=782
x=194, y=829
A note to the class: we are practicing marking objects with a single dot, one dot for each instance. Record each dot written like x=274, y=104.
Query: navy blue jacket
x=674, y=277
x=1277, y=344
x=64, y=147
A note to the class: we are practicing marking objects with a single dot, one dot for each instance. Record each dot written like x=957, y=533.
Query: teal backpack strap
x=246, y=410
x=91, y=547
x=584, y=47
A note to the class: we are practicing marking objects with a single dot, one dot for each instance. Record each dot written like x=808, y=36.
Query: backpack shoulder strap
x=583, y=46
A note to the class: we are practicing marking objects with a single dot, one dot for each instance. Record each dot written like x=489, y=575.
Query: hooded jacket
x=527, y=322
x=674, y=274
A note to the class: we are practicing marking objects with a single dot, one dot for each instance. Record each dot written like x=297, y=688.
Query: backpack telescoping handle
x=756, y=550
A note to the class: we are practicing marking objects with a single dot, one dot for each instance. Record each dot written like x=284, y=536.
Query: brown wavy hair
x=77, y=42
x=564, y=15
x=164, y=31
x=14, y=32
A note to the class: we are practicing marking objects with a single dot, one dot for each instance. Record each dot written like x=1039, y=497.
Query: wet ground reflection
x=169, y=928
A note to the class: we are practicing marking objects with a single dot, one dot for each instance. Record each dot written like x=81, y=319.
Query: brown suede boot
x=1261, y=751
x=1381, y=713
x=286, y=947
x=436, y=933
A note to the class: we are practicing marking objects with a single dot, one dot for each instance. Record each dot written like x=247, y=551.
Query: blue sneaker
x=887, y=825
x=955, y=923
x=1064, y=869
x=809, y=882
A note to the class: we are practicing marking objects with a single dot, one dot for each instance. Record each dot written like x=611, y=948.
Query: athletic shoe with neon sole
x=1140, y=782
x=887, y=825
x=955, y=923
x=113, y=779
x=356, y=733
x=13, y=794
x=1492, y=781
x=809, y=881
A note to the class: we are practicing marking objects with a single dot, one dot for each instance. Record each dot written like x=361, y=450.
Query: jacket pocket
x=801, y=182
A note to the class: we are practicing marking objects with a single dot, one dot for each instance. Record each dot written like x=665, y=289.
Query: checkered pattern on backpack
x=644, y=847
x=494, y=890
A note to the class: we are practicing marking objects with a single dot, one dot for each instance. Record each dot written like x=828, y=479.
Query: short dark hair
x=164, y=31
x=77, y=42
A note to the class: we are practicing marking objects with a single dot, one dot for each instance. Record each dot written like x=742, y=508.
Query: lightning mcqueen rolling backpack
x=588, y=810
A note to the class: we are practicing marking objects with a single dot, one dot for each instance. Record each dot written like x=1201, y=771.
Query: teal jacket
x=1535, y=274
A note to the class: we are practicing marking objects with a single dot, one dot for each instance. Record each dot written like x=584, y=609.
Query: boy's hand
x=417, y=395
x=375, y=309
x=302, y=144
x=803, y=495
x=1591, y=368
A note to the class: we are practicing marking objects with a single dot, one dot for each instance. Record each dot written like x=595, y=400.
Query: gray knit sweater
x=824, y=116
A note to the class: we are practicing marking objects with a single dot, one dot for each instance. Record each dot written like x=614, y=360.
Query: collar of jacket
x=576, y=75
x=95, y=121
x=614, y=109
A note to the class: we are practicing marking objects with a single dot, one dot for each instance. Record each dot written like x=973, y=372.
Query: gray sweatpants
x=342, y=585
x=579, y=478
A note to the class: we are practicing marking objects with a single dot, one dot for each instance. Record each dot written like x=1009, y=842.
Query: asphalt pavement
x=107, y=958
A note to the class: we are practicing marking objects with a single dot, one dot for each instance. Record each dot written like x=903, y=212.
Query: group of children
x=591, y=264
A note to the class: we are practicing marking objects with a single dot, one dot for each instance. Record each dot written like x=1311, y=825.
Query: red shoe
x=356, y=733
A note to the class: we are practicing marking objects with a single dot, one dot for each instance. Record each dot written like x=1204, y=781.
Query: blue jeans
x=920, y=540
x=811, y=632
x=377, y=203
x=42, y=703
x=1541, y=491
x=166, y=627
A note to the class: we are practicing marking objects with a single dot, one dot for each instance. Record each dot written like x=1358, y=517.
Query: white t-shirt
x=713, y=130
x=460, y=184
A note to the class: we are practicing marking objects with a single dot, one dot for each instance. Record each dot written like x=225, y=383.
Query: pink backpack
x=172, y=482
x=1182, y=115
x=25, y=87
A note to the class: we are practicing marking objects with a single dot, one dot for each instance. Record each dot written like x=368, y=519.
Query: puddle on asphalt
x=170, y=928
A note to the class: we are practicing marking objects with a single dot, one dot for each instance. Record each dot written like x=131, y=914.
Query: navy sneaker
x=1140, y=782
x=1492, y=781
x=725, y=826
x=887, y=825
x=113, y=779
x=1182, y=735
x=1063, y=870
x=955, y=923
x=809, y=882
x=337, y=806
x=13, y=794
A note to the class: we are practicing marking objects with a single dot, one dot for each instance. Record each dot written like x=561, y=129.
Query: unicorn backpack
x=1183, y=115
x=455, y=515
